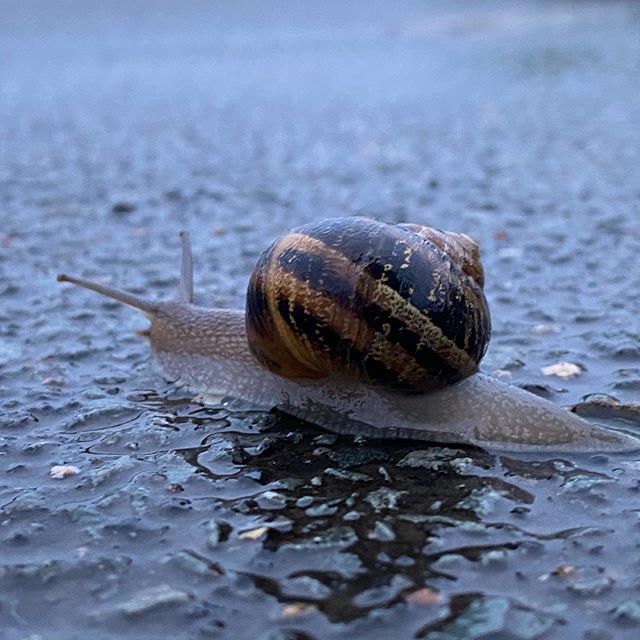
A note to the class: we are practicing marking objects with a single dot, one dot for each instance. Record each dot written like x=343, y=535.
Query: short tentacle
x=185, y=287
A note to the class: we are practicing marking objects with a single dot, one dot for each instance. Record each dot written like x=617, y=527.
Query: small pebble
x=424, y=597
x=153, y=598
x=590, y=582
x=565, y=370
x=493, y=558
x=298, y=609
x=60, y=472
x=382, y=532
x=544, y=329
x=271, y=500
x=192, y=563
x=253, y=534
x=322, y=510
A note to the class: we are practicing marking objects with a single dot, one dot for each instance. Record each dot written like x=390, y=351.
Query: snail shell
x=394, y=305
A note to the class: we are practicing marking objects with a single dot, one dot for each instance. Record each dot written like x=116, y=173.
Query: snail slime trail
x=365, y=328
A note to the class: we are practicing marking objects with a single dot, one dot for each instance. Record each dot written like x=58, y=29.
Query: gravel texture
x=121, y=124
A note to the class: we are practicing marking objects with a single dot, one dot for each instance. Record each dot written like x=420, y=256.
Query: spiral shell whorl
x=382, y=303
x=461, y=249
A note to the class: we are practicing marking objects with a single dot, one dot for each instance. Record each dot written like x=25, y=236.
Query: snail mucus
x=366, y=328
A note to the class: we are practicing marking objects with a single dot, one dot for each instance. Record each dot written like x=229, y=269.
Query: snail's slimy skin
x=206, y=351
x=480, y=410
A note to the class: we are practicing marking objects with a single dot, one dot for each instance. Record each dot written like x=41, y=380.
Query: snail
x=361, y=327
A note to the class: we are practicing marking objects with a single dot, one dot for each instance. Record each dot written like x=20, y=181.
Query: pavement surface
x=125, y=122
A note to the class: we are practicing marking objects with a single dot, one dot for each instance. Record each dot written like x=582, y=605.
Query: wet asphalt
x=120, y=125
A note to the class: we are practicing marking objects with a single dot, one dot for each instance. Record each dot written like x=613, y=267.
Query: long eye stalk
x=143, y=304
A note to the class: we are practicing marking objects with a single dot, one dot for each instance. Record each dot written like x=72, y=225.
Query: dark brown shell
x=397, y=305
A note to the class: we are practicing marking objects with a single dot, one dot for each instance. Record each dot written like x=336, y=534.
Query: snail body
x=363, y=328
